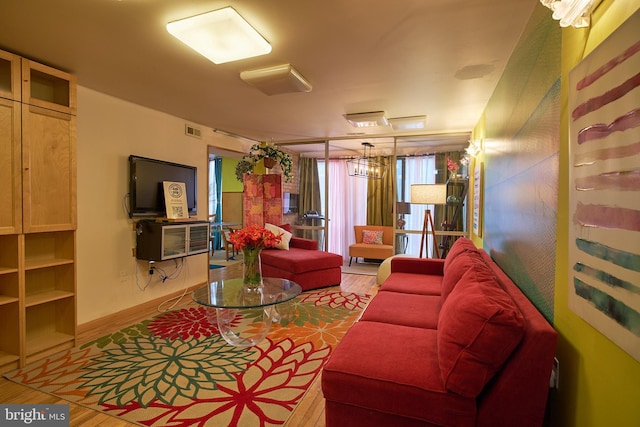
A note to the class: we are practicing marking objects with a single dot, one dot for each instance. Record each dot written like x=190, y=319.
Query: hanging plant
x=243, y=166
x=271, y=155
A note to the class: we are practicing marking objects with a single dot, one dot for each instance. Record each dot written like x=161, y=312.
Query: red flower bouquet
x=253, y=237
x=251, y=240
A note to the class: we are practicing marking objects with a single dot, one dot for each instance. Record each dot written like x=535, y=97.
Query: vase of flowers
x=252, y=240
x=453, y=169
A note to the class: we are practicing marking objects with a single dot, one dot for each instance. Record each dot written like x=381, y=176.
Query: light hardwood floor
x=308, y=413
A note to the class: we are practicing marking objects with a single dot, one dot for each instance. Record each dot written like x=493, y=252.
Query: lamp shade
x=403, y=208
x=429, y=194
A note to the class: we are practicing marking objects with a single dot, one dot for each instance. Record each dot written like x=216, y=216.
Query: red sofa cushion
x=417, y=265
x=460, y=246
x=300, y=260
x=420, y=311
x=479, y=327
x=456, y=269
x=286, y=227
x=410, y=283
x=307, y=280
x=393, y=369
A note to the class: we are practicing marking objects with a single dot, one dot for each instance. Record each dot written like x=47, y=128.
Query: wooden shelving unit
x=37, y=225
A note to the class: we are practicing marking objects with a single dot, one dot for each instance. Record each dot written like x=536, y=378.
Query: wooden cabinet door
x=48, y=170
x=11, y=205
x=9, y=76
x=47, y=87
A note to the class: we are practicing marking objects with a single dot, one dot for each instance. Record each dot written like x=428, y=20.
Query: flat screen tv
x=146, y=192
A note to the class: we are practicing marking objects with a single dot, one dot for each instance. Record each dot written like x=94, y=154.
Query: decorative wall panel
x=604, y=205
x=262, y=199
x=521, y=163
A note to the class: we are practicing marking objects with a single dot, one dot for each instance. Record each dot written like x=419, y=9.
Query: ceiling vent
x=192, y=131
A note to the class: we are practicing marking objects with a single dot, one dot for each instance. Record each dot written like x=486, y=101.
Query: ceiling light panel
x=408, y=123
x=276, y=80
x=361, y=120
x=220, y=36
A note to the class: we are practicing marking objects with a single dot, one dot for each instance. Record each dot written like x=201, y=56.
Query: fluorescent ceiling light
x=361, y=120
x=408, y=123
x=576, y=13
x=276, y=80
x=220, y=36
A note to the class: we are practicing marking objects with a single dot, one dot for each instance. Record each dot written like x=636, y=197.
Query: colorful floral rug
x=176, y=370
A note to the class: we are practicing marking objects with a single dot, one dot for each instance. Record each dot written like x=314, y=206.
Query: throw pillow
x=372, y=237
x=285, y=236
x=478, y=328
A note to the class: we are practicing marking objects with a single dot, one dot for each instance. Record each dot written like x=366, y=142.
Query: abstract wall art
x=604, y=179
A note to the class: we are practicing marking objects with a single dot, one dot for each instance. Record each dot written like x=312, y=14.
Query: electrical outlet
x=555, y=374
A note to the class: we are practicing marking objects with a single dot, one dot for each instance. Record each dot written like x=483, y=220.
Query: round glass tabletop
x=232, y=293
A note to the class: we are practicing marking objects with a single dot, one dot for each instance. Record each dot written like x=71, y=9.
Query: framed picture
x=604, y=194
x=477, y=198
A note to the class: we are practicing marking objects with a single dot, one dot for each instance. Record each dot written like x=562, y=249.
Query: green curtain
x=380, y=195
x=310, y=199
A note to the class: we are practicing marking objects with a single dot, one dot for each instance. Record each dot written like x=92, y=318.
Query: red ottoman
x=310, y=268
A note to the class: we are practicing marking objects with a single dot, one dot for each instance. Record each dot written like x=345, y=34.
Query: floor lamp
x=428, y=194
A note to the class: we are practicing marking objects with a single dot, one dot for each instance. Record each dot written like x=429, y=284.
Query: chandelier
x=366, y=166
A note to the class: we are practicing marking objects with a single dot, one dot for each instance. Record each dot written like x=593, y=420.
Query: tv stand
x=161, y=241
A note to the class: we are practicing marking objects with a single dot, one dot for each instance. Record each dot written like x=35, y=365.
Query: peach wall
x=109, y=130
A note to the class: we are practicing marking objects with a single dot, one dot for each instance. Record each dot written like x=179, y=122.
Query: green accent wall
x=599, y=382
x=229, y=182
x=522, y=123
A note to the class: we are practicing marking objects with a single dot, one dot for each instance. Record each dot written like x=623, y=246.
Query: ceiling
x=439, y=58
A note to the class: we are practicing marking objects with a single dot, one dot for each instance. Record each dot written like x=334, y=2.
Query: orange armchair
x=382, y=250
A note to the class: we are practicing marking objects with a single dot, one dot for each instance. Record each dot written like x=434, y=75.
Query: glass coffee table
x=244, y=315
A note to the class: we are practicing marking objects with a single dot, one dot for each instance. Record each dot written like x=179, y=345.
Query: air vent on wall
x=192, y=131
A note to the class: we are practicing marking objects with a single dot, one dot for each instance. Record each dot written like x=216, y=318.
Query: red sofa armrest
x=302, y=243
x=418, y=266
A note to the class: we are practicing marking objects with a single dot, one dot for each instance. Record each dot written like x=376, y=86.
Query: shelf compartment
x=8, y=253
x=50, y=327
x=10, y=336
x=33, y=264
x=49, y=284
x=4, y=270
x=45, y=297
x=9, y=289
x=7, y=300
x=49, y=249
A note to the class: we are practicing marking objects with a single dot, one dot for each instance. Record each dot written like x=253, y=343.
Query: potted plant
x=271, y=155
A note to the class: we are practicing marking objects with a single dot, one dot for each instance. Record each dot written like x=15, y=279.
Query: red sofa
x=303, y=263
x=449, y=342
